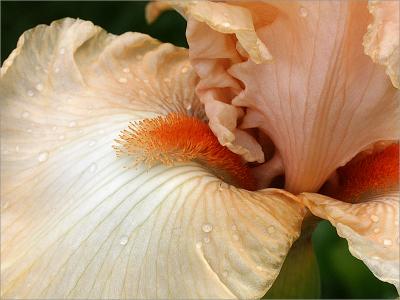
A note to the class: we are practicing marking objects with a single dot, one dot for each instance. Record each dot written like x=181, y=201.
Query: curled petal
x=371, y=229
x=314, y=99
x=381, y=42
x=77, y=222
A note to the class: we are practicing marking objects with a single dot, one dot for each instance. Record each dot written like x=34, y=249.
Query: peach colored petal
x=321, y=101
x=371, y=229
x=76, y=222
x=381, y=42
x=155, y=9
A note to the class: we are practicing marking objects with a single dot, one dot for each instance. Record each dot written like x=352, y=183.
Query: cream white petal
x=78, y=222
x=371, y=229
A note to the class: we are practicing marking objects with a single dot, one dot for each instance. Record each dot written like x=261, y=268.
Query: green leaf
x=299, y=276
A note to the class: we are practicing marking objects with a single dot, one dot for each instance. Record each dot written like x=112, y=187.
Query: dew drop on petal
x=271, y=229
x=126, y=70
x=93, y=168
x=199, y=245
x=374, y=218
x=206, y=240
x=303, y=12
x=387, y=242
x=226, y=24
x=124, y=240
x=376, y=230
x=30, y=93
x=56, y=70
x=39, y=87
x=184, y=70
x=207, y=227
x=17, y=148
x=43, y=156
x=25, y=114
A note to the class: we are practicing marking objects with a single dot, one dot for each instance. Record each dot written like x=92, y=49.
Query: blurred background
x=342, y=275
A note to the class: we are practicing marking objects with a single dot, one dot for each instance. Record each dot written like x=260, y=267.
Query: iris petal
x=78, y=222
x=371, y=229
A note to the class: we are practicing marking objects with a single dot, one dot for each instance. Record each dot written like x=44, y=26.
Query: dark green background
x=342, y=276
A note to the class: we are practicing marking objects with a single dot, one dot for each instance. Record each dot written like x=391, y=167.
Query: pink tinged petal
x=220, y=35
x=322, y=100
x=381, y=42
x=371, y=229
x=77, y=222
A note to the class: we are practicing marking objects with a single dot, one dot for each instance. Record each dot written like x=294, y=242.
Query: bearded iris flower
x=308, y=90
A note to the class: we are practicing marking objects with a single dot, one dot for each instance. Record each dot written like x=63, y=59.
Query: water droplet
x=56, y=69
x=376, y=230
x=387, y=242
x=25, y=114
x=271, y=229
x=61, y=137
x=72, y=124
x=199, y=245
x=189, y=107
x=226, y=24
x=235, y=237
x=375, y=257
x=92, y=143
x=234, y=228
x=62, y=51
x=122, y=80
x=93, y=168
x=303, y=12
x=17, y=148
x=30, y=93
x=124, y=240
x=43, y=156
x=184, y=70
x=206, y=240
x=207, y=227
x=39, y=87
x=126, y=70
x=374, y=218
x=225, y=273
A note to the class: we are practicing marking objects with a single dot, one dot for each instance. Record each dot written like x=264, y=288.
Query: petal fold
x=381, y=42
x=371, y=229
x=312, y=100
x=77, y=222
